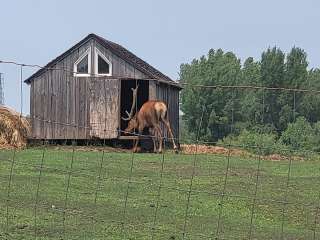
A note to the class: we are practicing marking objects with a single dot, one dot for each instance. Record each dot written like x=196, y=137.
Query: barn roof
x=118, y=50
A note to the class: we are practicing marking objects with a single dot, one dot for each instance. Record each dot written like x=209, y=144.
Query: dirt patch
x=91, y=148
x=278, y=157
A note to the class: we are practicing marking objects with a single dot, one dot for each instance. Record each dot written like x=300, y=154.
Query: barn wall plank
x=170, y=96
x=59, y=102
x=152, y=90
x=104, y=108
x=31, y=109
x=37, y=84
x=48, y=106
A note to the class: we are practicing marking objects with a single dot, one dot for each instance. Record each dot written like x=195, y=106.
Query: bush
x=316, y=141
x=258, y=143
x=300, y=135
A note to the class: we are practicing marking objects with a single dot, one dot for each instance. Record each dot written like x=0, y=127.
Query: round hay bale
x=14, y=128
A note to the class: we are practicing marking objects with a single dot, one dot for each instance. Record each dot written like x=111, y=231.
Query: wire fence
x=51, y=191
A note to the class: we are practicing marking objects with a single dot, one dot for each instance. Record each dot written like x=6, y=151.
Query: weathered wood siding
x=170, y=95
x=152, y=90
x=60, y=111
x=79, y=108
x=104, y=108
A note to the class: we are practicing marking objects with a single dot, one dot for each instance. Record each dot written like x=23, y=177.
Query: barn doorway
x=126, y=98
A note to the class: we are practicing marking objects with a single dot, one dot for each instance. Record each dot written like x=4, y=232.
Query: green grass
x=94, y=207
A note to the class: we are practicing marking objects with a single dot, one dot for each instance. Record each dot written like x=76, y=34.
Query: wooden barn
x=85, y=92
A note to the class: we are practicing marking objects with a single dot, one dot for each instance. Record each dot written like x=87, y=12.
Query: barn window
x=103, y=66
x=82, y=67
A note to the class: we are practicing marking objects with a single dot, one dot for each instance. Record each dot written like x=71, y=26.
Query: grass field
x=96, y=195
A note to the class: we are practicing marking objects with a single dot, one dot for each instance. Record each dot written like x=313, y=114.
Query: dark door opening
x=126, y=98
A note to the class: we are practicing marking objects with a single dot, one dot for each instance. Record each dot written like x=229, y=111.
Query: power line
x=181, y=83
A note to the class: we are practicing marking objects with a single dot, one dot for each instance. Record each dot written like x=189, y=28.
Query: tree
x=230, y=110
x=272, y=75
x=218, y=68
x=310, y=102
x=295, y=77
x=299, y=135
x=251, y=100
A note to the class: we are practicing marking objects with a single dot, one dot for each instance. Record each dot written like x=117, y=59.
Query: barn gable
x=125, y=64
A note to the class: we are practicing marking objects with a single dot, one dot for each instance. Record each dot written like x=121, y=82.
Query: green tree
x=272, y=75
x=263, y=111
x=295, y=77
x=251, y=100
x=296, y=68
x=310, y=102
x=299, y=135
x=217, y=68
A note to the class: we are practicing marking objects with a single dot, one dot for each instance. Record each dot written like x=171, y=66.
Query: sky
x=164, y=33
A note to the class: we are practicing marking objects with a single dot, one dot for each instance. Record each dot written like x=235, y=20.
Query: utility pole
x=1, y=89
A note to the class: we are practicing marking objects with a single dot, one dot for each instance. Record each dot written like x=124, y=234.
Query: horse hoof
x=176, y=150
x=137, y=150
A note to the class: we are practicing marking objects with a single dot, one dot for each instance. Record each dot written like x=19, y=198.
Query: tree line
x=230, y=112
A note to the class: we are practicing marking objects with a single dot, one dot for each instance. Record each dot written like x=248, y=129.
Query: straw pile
x=14, y=128
x=207, y=149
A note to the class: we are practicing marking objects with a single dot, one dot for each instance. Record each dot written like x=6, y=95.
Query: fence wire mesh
x=52, y=191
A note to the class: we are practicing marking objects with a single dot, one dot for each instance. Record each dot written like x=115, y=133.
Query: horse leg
x=153, y=136
x=166, y=122
x=140, y=131
x=136, y=141
x=160, y=139
x=135, y=144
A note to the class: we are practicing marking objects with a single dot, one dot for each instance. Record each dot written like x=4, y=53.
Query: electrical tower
x=1, y=89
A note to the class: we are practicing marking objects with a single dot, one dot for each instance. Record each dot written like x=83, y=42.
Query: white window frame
x=97, y=53
x=86, y=53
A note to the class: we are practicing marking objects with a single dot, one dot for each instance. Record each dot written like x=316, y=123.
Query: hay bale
x=14, y=128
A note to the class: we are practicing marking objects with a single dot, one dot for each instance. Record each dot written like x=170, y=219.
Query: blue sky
x=164, y=33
